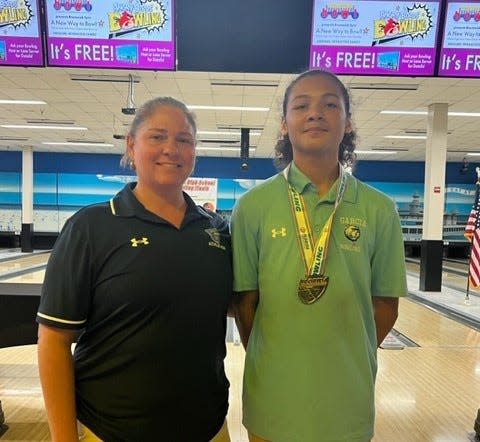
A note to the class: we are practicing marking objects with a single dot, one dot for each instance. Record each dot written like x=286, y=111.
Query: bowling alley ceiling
x=80, y=110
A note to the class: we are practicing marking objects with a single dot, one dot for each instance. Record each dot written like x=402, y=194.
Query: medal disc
x=311, y=288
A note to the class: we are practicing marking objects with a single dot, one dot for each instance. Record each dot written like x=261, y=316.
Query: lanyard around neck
x=314, y=254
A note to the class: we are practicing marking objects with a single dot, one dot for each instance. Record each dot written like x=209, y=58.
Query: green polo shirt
x=310, y=369
x=151, y=301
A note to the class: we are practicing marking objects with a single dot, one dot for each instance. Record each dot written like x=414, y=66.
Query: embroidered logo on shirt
x=135, y=242
x=354, y=220
x=216, y=238
x=279, y=232
x=352, y=232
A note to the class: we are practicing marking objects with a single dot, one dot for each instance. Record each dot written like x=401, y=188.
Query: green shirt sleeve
x=388, y=260
x=245, y=245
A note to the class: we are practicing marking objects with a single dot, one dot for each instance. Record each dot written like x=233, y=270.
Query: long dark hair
x=346, y=151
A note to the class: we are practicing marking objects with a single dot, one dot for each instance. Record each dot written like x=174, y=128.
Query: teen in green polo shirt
x=144, y=280
x=319, y=266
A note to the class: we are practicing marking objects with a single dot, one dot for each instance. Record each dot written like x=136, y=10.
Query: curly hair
x=346, y=151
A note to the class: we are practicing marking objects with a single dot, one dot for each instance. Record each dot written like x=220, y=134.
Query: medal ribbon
x=314, y=255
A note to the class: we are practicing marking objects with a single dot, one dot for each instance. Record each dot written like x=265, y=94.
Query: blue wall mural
x=65, y=182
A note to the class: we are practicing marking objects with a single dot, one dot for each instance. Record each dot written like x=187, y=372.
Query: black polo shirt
x=151, y=301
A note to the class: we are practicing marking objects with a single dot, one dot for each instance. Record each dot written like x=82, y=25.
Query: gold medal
x=314, y=253
x=311, y=288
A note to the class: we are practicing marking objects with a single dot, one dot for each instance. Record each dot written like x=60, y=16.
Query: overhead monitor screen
x=129, y=34
x=20, y=37
x=460, y=54
x=375, y=37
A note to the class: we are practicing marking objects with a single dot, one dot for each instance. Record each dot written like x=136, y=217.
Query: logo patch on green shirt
x=279, y=232
x=352, y=232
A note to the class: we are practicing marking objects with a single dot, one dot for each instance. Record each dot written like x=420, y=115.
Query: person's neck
x=169, y=204
x=321, y=172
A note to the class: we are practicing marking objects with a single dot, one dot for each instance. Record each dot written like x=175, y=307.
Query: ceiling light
x=384, y=86
x=4, y=138
x=255, y=83
x=50, y=122
x=109, y=78
x=231, y=127
x=22, y=102
x=218, y=141
x=404, y=112
x=375, y=152
x=420, y=132
x=473, y=154
x=219, y=149
x=29, y=126
x=407, y=137
x=75, y=143
x=213, y=132
x=235, y=108
x=450, y=114
x=415, y=131
x=464, y=114
x=387, y=149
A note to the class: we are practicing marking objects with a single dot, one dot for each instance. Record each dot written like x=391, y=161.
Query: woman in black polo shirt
x=142, y=282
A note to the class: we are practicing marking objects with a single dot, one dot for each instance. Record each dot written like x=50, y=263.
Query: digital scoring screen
x=20, y=38
x=375, y=37
x=460, y=53
x=129, y=34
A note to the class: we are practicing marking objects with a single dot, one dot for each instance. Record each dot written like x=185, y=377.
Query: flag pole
x=467, y=293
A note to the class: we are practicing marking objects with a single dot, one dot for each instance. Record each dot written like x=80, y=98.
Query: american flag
x=472, y=233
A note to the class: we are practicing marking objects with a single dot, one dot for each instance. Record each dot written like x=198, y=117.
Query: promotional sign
x=20, y=38
x=133, y=34
x=375, y=37
x=460, y=54
x=203, y=191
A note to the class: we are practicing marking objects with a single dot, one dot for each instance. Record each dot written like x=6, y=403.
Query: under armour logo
x=135, y=242
x=279, y=232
